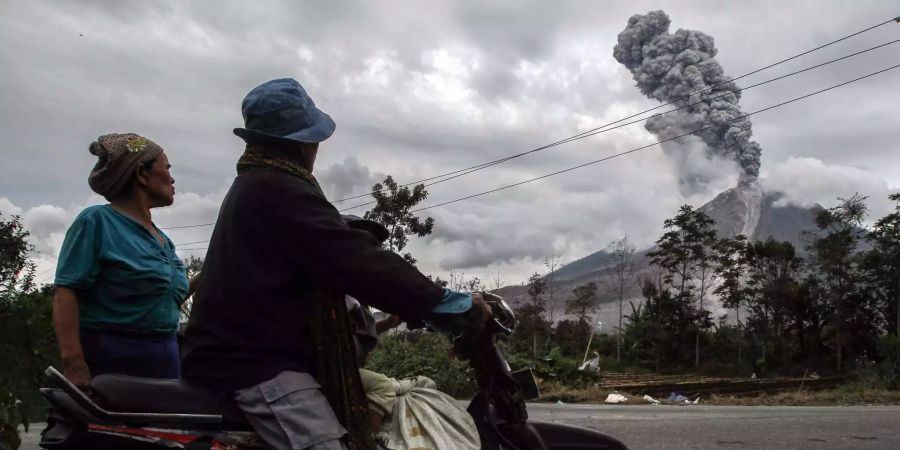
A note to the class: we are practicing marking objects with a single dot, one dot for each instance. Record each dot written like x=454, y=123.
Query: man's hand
x=387, y=323
x=77, y=371
x=393, y=321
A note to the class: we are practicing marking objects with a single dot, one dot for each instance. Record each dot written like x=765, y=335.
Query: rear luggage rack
x=127, y=417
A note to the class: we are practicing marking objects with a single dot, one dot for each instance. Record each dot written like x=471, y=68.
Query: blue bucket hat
x=281, y=110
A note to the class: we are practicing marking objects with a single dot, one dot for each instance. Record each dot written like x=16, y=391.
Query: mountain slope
x=744, y=209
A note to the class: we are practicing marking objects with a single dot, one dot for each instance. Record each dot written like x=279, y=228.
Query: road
x=735, y=427
x=719, y=427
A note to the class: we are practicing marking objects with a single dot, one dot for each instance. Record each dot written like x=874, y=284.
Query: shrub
x=410, y=353
x=27, y=346
x=554, y=368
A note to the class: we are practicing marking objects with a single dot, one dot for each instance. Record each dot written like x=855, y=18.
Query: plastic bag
x=425, y=418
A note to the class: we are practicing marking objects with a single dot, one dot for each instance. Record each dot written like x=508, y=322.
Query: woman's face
x=158, y=182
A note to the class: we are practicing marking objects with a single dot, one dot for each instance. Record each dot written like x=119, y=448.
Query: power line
x=730, y=80
x=655, y=143
x=465, y=171
x=44, y=272
x=192, y=243
x=189, y=226
x=603, y=129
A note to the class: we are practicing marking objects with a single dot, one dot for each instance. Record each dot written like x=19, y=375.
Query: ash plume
x=668, y=66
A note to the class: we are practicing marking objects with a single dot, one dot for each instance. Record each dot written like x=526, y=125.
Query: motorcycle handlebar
x=499, y=406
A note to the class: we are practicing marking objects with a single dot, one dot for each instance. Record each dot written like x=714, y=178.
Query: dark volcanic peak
x=759, y=215
x=746, y=209
x=736, y=210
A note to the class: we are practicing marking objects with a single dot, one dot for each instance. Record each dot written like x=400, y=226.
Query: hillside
x=745, y=209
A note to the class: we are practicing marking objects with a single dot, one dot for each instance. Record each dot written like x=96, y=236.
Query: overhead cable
x=716, y=124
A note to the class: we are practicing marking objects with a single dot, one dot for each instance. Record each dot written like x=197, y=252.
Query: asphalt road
x=719, y=427
x=735, y=427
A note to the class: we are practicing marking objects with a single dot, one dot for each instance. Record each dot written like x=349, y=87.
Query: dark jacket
x=276, y=240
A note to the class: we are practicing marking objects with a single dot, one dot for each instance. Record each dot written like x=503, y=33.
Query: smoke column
x=667, y=66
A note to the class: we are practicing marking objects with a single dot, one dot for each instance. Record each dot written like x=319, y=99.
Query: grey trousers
x=290, y=412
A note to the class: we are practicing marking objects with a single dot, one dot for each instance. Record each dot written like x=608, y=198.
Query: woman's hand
x=66, y=325
x=77, y=371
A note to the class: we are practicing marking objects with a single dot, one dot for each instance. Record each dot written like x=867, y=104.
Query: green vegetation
x=830, y=308
x=407, y=354
x=392, y=209
x=27, y=342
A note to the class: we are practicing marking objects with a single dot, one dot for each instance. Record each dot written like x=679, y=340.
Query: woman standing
x=119, y=282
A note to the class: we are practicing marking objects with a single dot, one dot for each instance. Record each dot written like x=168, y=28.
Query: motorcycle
x=125, y=412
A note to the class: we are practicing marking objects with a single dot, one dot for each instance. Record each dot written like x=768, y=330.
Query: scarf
x=259, y=157
x=330, y=331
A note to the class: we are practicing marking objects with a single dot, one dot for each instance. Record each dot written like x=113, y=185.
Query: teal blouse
x=124, y=278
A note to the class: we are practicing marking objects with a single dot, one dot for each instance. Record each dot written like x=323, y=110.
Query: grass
x=849, y=394
x=553, y=392
x=855, y=393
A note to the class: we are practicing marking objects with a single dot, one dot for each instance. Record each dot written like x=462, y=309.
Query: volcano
x=748, y=210
x=745, y=209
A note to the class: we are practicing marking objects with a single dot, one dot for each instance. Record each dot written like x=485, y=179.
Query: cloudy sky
x=423, y=88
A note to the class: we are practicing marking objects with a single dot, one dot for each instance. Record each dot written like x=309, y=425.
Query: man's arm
x=389, y=322
x=322, y=244
x=65, y=323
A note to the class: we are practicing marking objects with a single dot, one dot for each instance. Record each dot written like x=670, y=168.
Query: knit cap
x=118, y=156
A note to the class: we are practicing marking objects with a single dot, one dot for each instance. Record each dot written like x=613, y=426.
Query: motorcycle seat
x=124, y=393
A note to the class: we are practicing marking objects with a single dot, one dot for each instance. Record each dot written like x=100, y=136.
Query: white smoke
x=809, y=181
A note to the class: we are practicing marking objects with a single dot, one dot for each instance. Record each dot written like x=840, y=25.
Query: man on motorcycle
x=277, y=241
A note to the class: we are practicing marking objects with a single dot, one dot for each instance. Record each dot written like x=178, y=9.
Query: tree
x=192, y=266
x=882, y=266
x=777, y=303
x=552, y=265
x=459, y=282
x=650, y=329
x=496, y=281
x=438, y=281
x=393, y=205
x=532, y=323
x=620, y=280
x=851, y=319
x=731, y=262
x=27, y=342
x=16, y=271
x=584, y=301
x=569, y=336
x=685, y=253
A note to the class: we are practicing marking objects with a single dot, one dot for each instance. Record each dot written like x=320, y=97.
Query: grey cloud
x=347, y=178
x=44, y=222
x=8, y=209
x=513, y=28
x=177, y=71
x=808, y=181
